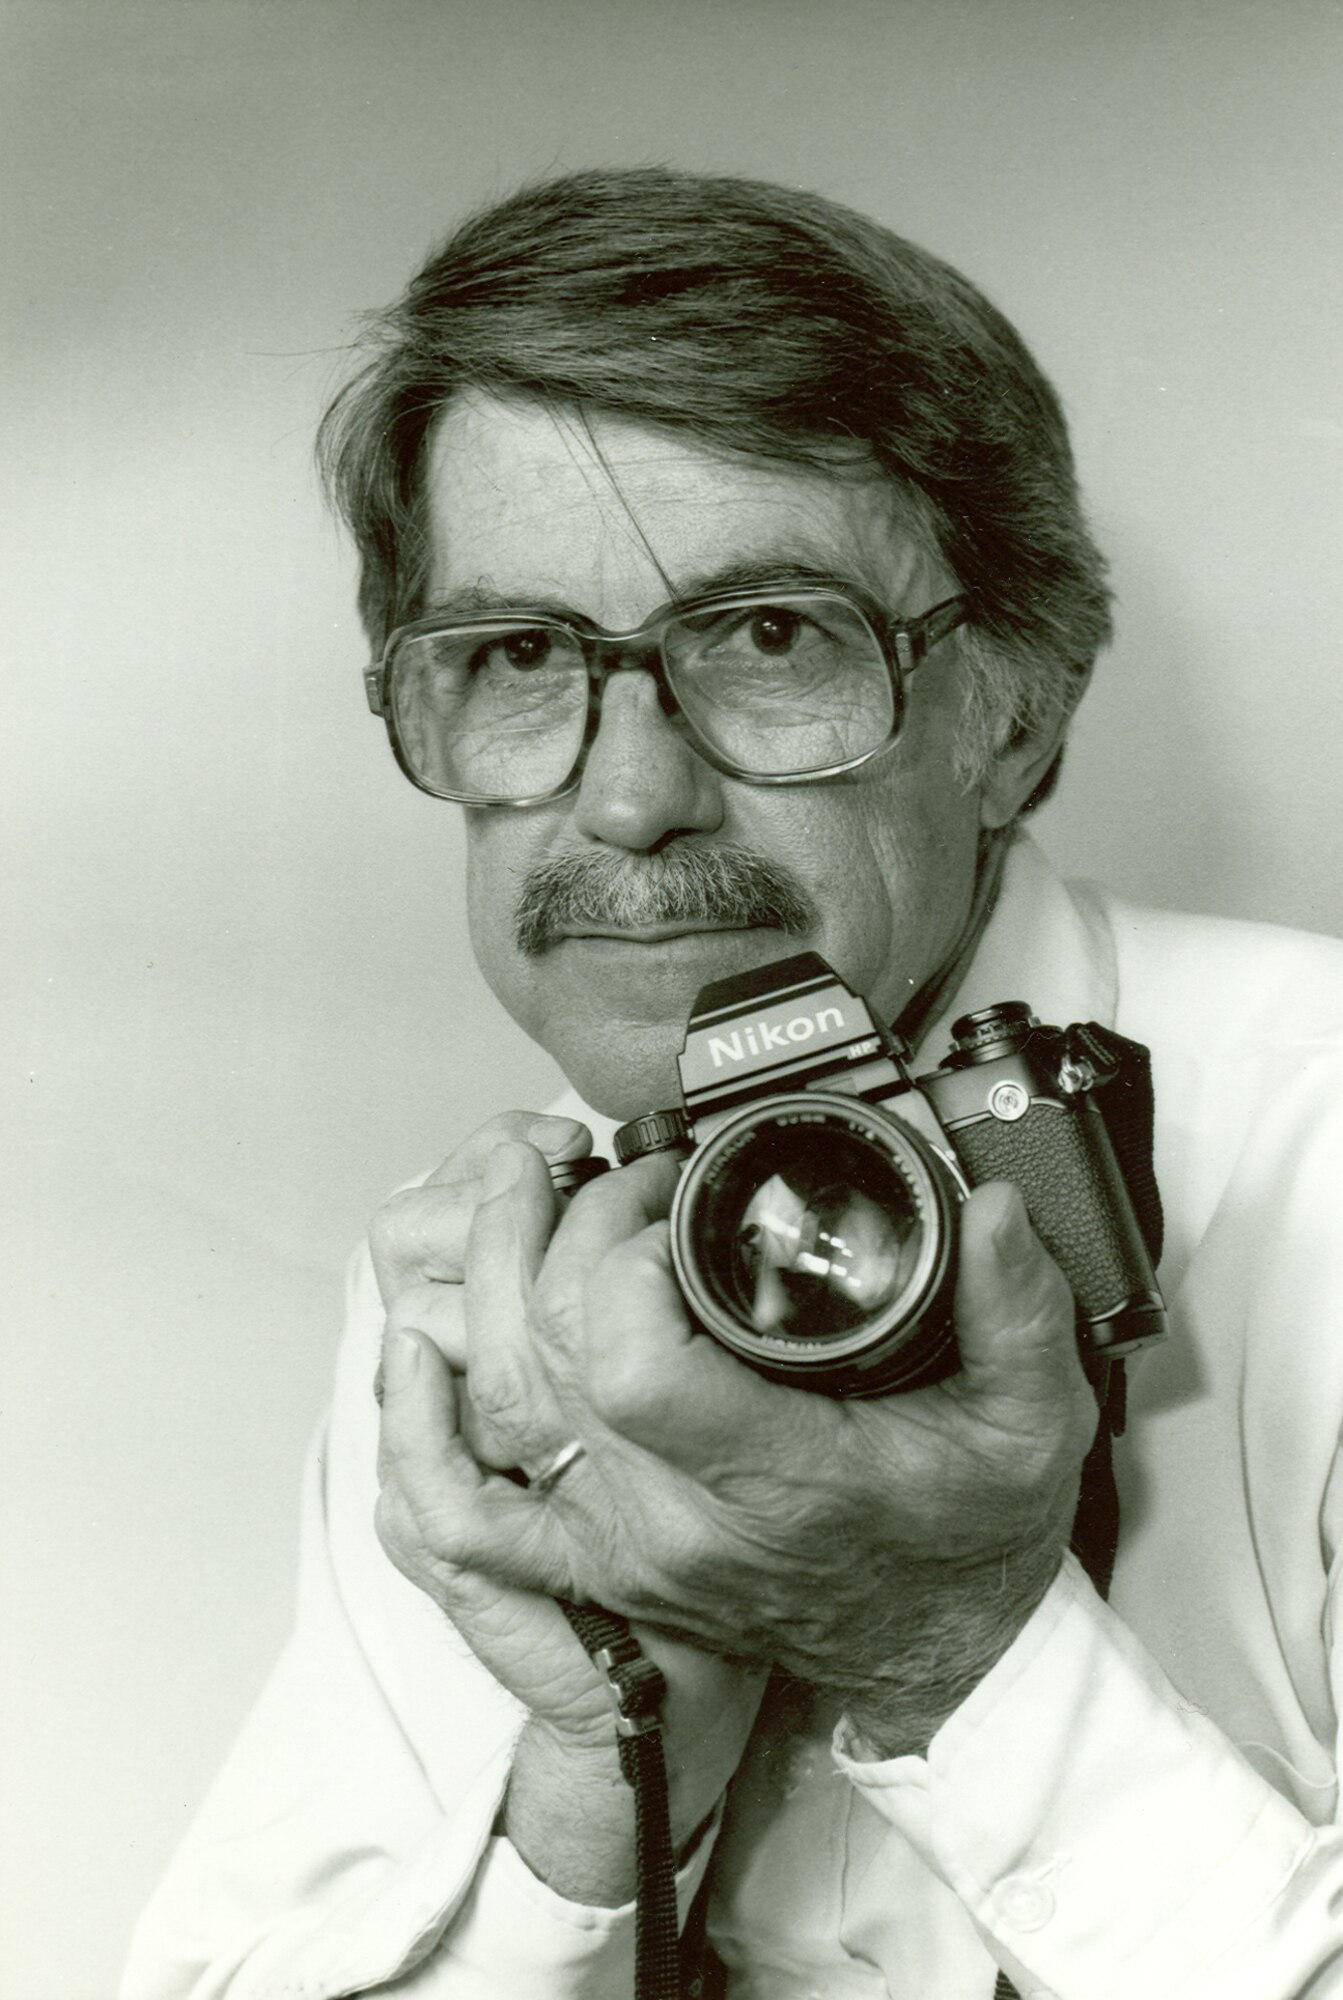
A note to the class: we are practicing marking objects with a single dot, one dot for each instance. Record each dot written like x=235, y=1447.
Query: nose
x=643, y=783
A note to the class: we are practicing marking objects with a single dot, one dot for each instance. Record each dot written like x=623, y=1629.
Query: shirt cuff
x=515, y=1939
x=1103, y=1835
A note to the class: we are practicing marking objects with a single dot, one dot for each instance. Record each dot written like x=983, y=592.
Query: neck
x=936, y=992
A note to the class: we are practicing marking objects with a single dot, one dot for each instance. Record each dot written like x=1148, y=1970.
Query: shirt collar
x=1040, y=945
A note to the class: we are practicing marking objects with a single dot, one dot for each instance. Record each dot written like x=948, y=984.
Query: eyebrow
x=783, y=568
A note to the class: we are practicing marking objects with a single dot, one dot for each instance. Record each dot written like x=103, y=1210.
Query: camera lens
x=812, y=1234
x=797, y=1240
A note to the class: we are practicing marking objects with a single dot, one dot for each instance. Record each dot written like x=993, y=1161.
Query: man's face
x=532, y=504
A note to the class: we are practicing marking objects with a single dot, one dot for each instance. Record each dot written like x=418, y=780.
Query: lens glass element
x=494, y=709
x=808, y=1231
x=497, y=709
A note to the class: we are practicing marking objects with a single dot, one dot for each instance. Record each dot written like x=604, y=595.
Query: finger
x=556, y=1138
x=610, y=1211
x=657, y=1380
x=1015, y=1314
x=421, y=1232
x=439, y=1513
x=516, y=1417
x=437, y=1311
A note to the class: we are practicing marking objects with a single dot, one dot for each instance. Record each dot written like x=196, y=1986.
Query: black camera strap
x=636, y=1688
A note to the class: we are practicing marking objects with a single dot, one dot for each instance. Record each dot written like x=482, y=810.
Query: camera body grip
x=1031, y=1110
x=1062, y=1161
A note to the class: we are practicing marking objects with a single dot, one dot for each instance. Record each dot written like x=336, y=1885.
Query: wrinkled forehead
x=529, y=500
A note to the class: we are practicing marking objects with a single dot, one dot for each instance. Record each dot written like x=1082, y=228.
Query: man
x=613, y=420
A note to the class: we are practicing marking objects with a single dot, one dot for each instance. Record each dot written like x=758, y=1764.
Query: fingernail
x=1014, y=1239
x=501, y=1170
x=400, y=1359
x=548, y=1135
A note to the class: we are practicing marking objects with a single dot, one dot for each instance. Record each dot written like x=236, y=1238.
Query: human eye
x=774, y=630
x=770, y=630
x=769, y=640
x=469, y=673
x=523, y=649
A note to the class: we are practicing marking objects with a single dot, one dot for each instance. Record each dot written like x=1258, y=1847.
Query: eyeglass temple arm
x=914, y=642
x=373, y=687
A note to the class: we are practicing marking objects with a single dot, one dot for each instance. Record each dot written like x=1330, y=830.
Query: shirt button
x=1023, y=1904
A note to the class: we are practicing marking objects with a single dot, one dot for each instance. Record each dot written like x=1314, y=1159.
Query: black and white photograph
x=675, y=1071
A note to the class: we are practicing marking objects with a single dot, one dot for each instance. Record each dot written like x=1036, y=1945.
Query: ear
x=1021, y=776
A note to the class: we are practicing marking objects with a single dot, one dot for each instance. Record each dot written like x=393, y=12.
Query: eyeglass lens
x=498, y=709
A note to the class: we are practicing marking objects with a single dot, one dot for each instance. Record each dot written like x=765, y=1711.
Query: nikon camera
x=814, y=1228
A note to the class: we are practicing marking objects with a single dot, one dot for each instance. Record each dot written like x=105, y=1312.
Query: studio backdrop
x=243, y=1003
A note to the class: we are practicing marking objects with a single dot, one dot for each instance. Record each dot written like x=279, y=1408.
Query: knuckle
x=501, y=1392
x=419, y=1235
x=435, y=1308
x=406, y=1313
x=424, y=1563
x=626, y=1392
x=392, y=1227
x=699, y=1564
x=506, y=1412
x=416, y=1541
x=462, y=1168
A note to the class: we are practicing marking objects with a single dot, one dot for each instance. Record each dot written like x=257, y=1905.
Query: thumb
x=1015, y=1314
x=439, y=1511
x=559, y=1138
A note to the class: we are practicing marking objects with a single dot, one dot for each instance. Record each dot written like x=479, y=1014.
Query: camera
x=814, y=1227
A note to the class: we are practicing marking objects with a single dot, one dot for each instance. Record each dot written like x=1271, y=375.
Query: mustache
x=683, y=885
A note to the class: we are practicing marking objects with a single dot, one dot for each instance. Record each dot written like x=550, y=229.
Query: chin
x=635, y=1072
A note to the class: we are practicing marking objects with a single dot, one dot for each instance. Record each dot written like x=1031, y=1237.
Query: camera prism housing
x=814, y=1227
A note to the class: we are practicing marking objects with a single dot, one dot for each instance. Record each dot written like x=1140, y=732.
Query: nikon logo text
x=762, y=1036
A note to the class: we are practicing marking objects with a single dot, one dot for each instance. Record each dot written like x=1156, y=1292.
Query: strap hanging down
x=637, y=1688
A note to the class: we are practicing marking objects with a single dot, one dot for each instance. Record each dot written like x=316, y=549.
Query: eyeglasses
x=772, y=686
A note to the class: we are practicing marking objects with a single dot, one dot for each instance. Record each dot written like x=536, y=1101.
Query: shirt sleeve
x=515, y=1939
x=1105, y=1837
x=348, y=1843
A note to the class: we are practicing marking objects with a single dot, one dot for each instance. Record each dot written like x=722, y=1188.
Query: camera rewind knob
x=993, y=1031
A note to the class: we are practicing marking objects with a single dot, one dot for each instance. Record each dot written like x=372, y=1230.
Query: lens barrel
x=813, y=1235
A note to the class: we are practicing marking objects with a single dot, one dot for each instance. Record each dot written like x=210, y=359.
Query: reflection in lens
x=809, y=1233
x=847, y=1244
x=494, y=710
x=791, y=686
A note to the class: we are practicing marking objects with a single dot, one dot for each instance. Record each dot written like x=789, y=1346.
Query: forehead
x=532, y=501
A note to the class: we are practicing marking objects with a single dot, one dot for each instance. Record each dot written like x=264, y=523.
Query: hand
x=887, y=1550
x=419, y=1240
x=565, y=1772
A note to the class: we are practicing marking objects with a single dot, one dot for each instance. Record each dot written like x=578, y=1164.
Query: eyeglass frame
x=904, y=644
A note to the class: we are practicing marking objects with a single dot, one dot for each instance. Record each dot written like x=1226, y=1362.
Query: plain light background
x=244, y=1005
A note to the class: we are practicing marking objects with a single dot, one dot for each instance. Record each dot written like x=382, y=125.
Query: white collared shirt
x=1138, y=1802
